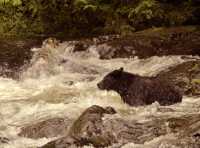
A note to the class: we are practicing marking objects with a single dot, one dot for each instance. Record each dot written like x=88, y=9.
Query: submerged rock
x=137, y=90
x=96, y=128
x=49, y=128
x=4, y=140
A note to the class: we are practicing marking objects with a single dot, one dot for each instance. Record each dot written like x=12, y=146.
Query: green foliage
x=82, y=17
x=79, y=3
x=12, y=2
x=145, y=12
x=197, y=81
x=33, y=7
x=93, y=5
x=143, y=9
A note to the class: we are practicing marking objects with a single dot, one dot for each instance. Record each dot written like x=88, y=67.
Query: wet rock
x=83, y=45
x=14, y=53
x=96, y=128
x=185, y=76
x=185, y=125
x=80, y=46
x=188, y=142
x=104, y=39
x=154, y=42
x=187, y=130
x=49, y=128
x=64, y=142
x=4, y=140
x=137, y=90
x=87, y=128
x=50, y=43
x=184, y=142
x=144, y=44
x=110, y=110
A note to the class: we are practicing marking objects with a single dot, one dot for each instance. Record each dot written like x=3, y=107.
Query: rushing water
x=61, y=83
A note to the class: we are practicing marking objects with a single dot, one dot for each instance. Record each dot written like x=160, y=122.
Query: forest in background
x=79, y=18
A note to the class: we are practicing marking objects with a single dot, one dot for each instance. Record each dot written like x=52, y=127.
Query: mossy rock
x=185, y=76
x=155, y=42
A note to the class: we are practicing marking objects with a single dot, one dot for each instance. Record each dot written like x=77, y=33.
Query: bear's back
x=146, y=90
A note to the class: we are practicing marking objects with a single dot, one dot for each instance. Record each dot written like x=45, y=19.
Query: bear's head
x=111, y=81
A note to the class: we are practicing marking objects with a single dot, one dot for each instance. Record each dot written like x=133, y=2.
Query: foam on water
x=69, y=88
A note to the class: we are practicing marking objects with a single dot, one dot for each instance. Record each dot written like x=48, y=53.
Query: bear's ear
x=121, y=69
x=117, y=73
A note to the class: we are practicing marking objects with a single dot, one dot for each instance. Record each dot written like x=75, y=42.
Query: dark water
x=14, y=53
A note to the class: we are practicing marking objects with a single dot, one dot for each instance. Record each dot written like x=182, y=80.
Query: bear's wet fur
x=137, y=90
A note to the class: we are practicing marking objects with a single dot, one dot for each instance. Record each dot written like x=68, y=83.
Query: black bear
x=137, y=90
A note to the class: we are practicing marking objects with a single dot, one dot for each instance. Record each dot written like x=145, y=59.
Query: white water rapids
x=49, y=88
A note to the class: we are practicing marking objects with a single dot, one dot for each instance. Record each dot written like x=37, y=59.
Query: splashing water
x=60, y=83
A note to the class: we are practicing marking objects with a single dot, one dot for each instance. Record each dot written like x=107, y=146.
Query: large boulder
x=87, y=129
x=14, y=53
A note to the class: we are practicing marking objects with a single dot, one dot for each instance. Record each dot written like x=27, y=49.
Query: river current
x=61, y=83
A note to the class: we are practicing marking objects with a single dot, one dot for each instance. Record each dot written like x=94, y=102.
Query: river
x=63, y=84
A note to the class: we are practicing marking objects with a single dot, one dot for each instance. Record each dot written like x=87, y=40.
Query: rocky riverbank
x=143, y=44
